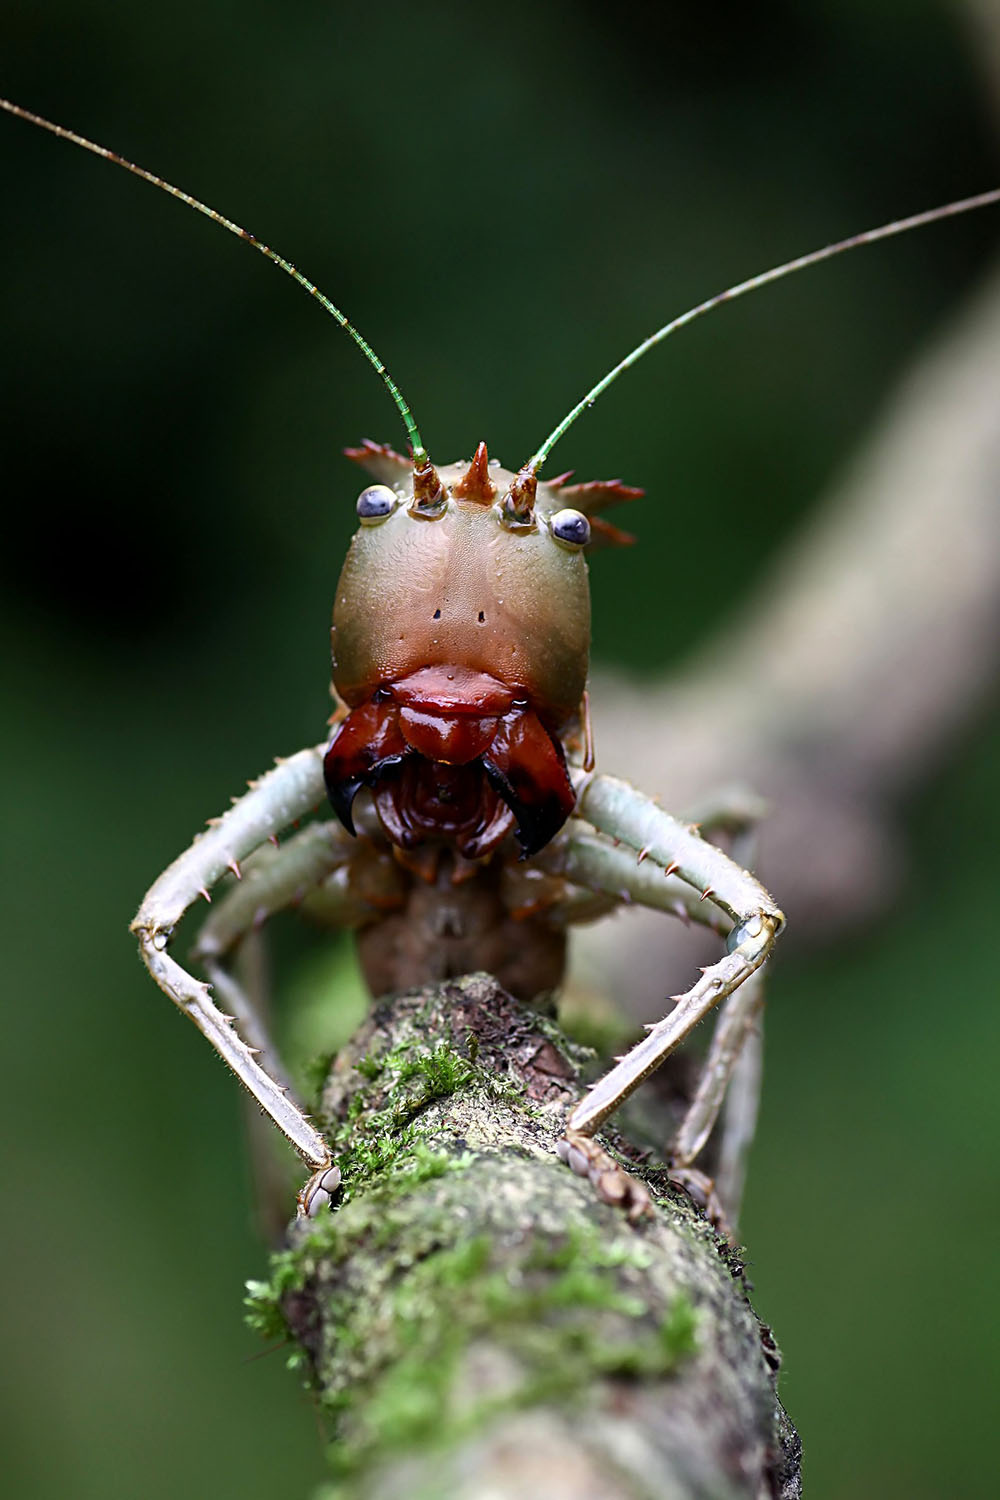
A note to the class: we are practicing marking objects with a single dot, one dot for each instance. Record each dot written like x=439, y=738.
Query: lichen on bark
x=473, y=1321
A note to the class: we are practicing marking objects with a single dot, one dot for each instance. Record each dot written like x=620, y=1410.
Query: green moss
x=403, y=1303
x=290, y=1270
x=679, y=1329
x=441, y=1071
x=368, y=1067
x=324, y=1241
x=262, y=1307
x=375, y=1137
x=393, y=1304
x=546, y=1323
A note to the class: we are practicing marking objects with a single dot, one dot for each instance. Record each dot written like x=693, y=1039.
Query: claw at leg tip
x=318, y=1192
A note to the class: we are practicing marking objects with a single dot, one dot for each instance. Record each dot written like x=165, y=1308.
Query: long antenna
x=419, y=453
x=868, y=237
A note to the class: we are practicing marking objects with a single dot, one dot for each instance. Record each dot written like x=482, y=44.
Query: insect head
x=461, y=635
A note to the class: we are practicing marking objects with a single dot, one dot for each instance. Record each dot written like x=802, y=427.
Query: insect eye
x=570, y=527
x=375, y=503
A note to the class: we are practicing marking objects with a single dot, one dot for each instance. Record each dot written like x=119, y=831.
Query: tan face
x=464, y=590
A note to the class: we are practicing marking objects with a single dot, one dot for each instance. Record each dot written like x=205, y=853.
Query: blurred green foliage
x=505, y=201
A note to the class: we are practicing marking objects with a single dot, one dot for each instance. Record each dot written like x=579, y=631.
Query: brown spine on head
x=517, y=508
x=476, y=484
x=429, y=498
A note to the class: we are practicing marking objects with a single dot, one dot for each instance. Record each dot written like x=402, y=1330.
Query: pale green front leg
x=731, y=1074
x=648, y=835
x=273, y=878
x=628, y=816
x=283, y=795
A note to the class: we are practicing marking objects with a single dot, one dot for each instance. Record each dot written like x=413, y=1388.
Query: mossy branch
x=473, y=1321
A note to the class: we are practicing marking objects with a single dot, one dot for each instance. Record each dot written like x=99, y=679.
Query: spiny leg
x=628, y=817
x=229, y=947
x=273, y=878
x=250, y=996
x=731, y=1072
x=292, y=789
x=603, y=875
x=582, y=855
x=732, y=1067
x=243, y=1002
x=645, y=835
x=731, y=1043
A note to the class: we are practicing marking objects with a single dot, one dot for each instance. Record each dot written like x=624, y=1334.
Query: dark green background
x=505, y=200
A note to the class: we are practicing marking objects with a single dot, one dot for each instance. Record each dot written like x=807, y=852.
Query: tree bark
x=476, y=1323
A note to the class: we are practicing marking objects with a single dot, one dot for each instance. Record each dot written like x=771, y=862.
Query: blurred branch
x=479, y=1323
x=854, y=667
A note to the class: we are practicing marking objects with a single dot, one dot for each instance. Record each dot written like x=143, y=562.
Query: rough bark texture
x=476, y=1323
